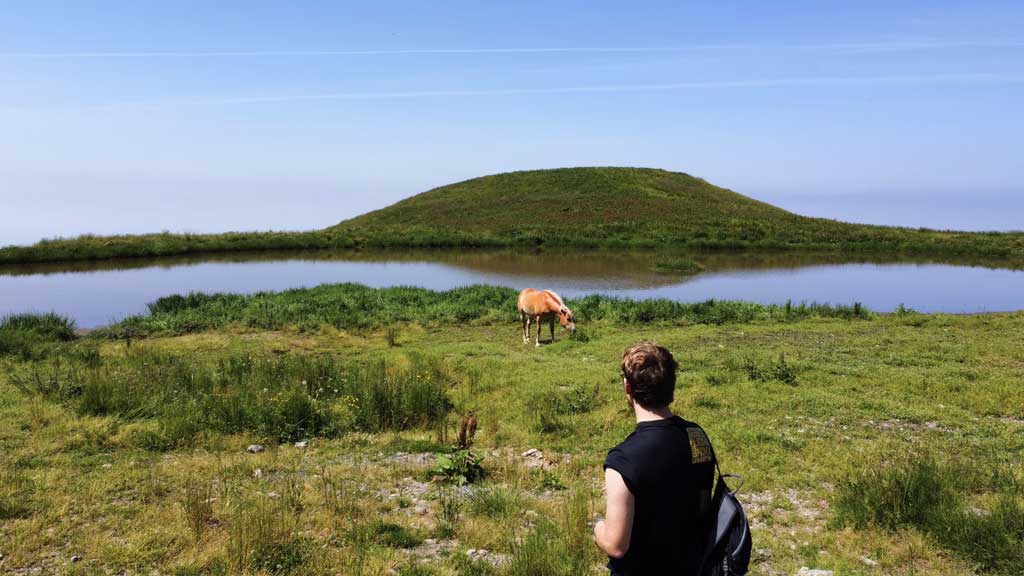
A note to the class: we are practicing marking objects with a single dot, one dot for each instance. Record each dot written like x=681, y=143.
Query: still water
x=95, y=294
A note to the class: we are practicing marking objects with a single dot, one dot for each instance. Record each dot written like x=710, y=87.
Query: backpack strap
x=714, y=457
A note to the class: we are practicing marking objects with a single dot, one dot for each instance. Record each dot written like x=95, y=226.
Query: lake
x=95, y=294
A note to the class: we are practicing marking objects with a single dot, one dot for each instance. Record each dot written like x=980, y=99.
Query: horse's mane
x=561, y=303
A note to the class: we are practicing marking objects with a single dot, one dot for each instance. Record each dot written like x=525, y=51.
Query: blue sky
x=209, y=116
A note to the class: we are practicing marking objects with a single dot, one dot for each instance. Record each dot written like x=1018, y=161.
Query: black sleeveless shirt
x=669, y=468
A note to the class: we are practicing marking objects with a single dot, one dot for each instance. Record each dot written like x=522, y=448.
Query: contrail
x=883, y=46
x=609, y=88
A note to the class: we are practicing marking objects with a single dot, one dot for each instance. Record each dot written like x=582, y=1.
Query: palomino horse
x=543, y=305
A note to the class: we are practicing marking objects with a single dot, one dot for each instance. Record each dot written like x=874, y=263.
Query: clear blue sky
x=132, y=116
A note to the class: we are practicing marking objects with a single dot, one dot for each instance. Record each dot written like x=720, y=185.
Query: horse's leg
x=522, y=322
x=551, y=324
x=540, y=326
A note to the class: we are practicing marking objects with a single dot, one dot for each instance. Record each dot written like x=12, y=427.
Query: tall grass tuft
x=196, y=502
x=920, y=492
x=31, y=336
x=281, y=399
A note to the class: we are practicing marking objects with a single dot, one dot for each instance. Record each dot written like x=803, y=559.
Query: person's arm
x=612, y=534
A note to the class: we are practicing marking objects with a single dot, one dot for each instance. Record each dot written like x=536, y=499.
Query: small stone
x=533, y=453
x=301, y=444
x=257, y=473
x=868, y=561
x=429, y=542
x=421, y=509
x=805, y=571
x=76, y=558
x=254, y=448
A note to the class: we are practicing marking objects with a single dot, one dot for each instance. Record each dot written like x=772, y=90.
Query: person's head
x=649, y=375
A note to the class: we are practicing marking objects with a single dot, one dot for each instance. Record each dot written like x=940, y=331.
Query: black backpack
x=727, y=541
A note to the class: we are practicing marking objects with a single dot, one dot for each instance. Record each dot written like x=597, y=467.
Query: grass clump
x=197, y=504
x=15, y=495
x=922, y=493
x=357, y=307
x=495, y=501
x=278, y=398
x=32, y=336
x=678, y=266
x=260, y=537
x=388, y=534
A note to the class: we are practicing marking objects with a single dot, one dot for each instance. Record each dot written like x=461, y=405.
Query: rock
x=429, y=542
x=76, y=558
x=868, y=561
x=533, y=453
x=257, y=473
x=301, y=444
x=762, y=555
x=255, y=448
x=421, y=509
x=805, y=571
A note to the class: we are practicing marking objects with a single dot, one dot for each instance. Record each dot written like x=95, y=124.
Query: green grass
x=357, y=307
x=916, y=490
x=585, y=207
x=898, y=439
x=277, y=399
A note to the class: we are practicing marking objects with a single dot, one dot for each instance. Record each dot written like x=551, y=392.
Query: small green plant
x=778, y=370
x=550, y=480
x=459, y=467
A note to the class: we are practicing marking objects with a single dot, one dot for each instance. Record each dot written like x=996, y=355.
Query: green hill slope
x=592, y=207
x=634, y=207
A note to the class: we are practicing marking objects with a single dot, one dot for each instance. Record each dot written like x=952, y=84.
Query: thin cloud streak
x=883, y=46
x=595, y=89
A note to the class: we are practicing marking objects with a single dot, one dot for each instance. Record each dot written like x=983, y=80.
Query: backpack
x=727, y=541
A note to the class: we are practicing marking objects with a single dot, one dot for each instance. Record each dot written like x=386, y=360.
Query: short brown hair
x=651, y=372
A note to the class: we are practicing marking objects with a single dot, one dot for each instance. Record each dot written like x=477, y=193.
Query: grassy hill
x=638, y=207
x=587, y=207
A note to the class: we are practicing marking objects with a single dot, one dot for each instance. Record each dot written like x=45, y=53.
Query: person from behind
x=658, y=481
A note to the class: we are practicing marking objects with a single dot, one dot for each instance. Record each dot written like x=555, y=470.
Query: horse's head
x=566, y=319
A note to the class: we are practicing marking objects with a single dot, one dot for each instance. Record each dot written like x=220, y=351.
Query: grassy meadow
x=286, y=434
x=616, y=208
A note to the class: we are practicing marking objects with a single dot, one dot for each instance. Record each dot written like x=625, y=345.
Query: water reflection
x=96, y=293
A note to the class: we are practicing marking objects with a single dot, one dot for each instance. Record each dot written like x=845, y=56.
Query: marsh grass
x=280, y=399
x=32, y=336
x=357, y=307
x=921, y=492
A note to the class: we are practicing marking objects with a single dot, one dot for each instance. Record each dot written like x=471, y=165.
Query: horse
x=543, y=305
